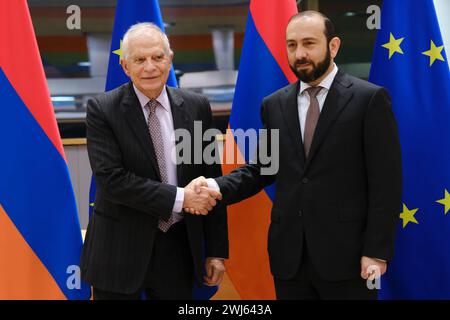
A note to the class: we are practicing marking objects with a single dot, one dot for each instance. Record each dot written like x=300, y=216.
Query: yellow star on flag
x=434, y=53
x=119, y=51
x=445, y=201
x=393, y=45
x=408, y=215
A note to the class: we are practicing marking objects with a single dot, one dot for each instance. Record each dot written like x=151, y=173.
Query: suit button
x=300, y=213
x=305, y=180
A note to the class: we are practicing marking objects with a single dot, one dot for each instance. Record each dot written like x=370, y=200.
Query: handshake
x=199, y=199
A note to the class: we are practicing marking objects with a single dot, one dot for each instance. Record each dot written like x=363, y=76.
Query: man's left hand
x=215, y=268
x=371, y=267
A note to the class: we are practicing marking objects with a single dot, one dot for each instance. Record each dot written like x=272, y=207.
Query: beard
x=318, y=69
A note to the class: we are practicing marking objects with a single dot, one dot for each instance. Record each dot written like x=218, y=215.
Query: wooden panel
x=85, y=174
x=80, y=174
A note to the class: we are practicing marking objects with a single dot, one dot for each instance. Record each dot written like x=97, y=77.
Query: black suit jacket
x=130, y=196
x=344, y=199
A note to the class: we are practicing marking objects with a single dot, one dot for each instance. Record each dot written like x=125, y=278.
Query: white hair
x=144, y=28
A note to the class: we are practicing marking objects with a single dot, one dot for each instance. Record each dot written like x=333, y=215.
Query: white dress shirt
x=164, y=115
x=303, y=97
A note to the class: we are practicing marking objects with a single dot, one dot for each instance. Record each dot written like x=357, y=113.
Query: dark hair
x=329, y=30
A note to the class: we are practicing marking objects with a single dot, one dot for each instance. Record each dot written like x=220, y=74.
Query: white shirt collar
x=325, y=83
x=163, y=98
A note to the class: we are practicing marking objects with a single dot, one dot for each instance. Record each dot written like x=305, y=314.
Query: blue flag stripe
x=246, y=110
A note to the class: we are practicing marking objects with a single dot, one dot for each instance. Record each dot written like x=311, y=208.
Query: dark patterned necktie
x=154, y=126
x=312, y=116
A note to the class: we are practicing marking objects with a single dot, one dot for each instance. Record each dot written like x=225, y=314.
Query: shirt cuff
x=179, y=199
x=218, y=258
x=213, y=184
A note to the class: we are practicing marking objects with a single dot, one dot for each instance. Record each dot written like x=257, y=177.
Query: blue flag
x=410, y=61
x=128, y=13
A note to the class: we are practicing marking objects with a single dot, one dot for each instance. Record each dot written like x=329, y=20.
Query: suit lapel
x=290, y=113
x=180, y=120
x=134, y=115
x=337, y=99
x=176, y=105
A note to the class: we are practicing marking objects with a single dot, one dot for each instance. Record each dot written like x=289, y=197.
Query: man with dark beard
x=338, y=188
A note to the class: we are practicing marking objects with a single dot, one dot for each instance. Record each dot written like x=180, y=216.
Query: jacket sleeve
x=246, y=181
x=384, y=175
x=116, y=183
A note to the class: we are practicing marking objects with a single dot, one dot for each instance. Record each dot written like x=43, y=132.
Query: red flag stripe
x=20, y=61
x=263, y=12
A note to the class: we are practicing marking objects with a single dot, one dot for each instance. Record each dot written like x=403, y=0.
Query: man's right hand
x=198, y=198
x=198, y=183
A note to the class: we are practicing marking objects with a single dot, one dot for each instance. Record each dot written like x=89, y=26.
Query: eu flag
x=128, y=13
x=409, y=60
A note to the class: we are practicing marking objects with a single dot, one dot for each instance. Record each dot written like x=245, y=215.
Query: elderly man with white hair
x=138, y=239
